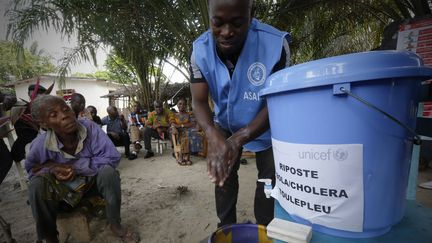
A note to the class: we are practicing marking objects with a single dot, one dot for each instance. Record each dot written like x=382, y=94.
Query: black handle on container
x=417, y=138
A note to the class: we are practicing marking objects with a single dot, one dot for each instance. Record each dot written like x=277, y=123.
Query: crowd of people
x=68, y=143
x=141, y=126
x=74, y=151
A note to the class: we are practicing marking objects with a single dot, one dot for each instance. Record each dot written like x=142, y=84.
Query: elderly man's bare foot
x=124, y=234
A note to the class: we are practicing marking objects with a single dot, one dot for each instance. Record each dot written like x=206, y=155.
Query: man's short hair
x=250, y=5
x=40, y=102
x=111, y=108
x=77, y=97
x=92, y=107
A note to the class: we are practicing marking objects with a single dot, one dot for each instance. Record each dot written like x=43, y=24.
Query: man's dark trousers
x=45, y=211
x=123, y=141
x=226, y=196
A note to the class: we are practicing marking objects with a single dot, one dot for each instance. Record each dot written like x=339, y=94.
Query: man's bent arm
x=218, y=160
x=254, y=129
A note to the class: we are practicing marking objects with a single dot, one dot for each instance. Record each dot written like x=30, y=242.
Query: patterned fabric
x=184, y=142
x=196, y=141
x=70, y=192
x=181, y=119
x=154, y=120
x=136, y=134
x=136, y=119
x=192, y=135
x=183, y=132
x=238, y=233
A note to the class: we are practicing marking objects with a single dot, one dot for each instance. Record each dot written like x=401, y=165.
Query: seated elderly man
x=137, y=119
x=77, y=103
x=93, y=113
x=116, y=130
x=74, y=157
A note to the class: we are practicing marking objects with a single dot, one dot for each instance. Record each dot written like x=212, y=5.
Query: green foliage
x=328, y=28
x=104, y=75
x=34, y=63
x=144, y=35
x=120, y=70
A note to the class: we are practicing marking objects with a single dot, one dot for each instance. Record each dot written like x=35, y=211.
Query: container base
x=341, y=233
x=282, y=214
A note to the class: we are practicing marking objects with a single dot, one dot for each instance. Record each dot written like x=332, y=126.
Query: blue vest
x=236, y=99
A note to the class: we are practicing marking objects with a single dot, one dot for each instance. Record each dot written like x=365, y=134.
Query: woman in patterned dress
x=181, y=122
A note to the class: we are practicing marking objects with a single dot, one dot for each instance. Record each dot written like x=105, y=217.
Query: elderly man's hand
x=63, y=172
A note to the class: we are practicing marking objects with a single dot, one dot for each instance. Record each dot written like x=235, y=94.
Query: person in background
x=116, y=130
x=6, y=102
x=197, y=140
x=73, y=158
x=181, y=123
x=26, y=129
x=6, y=157
x=137, y=119
x=231, y=62
x=77, y=103
x=34, y=90
x=156, y=126
x=93, y=113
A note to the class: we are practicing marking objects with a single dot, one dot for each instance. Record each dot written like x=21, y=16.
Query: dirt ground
x=151, y=203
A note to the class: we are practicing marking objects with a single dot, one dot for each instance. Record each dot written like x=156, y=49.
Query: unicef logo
x=256, y=73
x=340, y=155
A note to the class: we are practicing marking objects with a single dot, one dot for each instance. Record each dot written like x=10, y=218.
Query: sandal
x=180, y=162
x=137, y=146
x=187, y=162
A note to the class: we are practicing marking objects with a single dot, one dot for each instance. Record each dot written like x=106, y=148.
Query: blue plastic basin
x=240, y=233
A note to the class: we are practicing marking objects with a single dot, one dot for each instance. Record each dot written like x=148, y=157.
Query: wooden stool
x=74, y=224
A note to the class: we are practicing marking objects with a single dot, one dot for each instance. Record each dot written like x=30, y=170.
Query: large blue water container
x=367, y=98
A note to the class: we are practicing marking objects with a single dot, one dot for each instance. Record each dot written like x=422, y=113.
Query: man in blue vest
x=231, y=62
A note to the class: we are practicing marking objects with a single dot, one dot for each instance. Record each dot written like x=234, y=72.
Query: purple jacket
x=93, y=153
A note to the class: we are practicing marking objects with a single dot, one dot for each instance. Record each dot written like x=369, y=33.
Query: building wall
x=91, y=89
